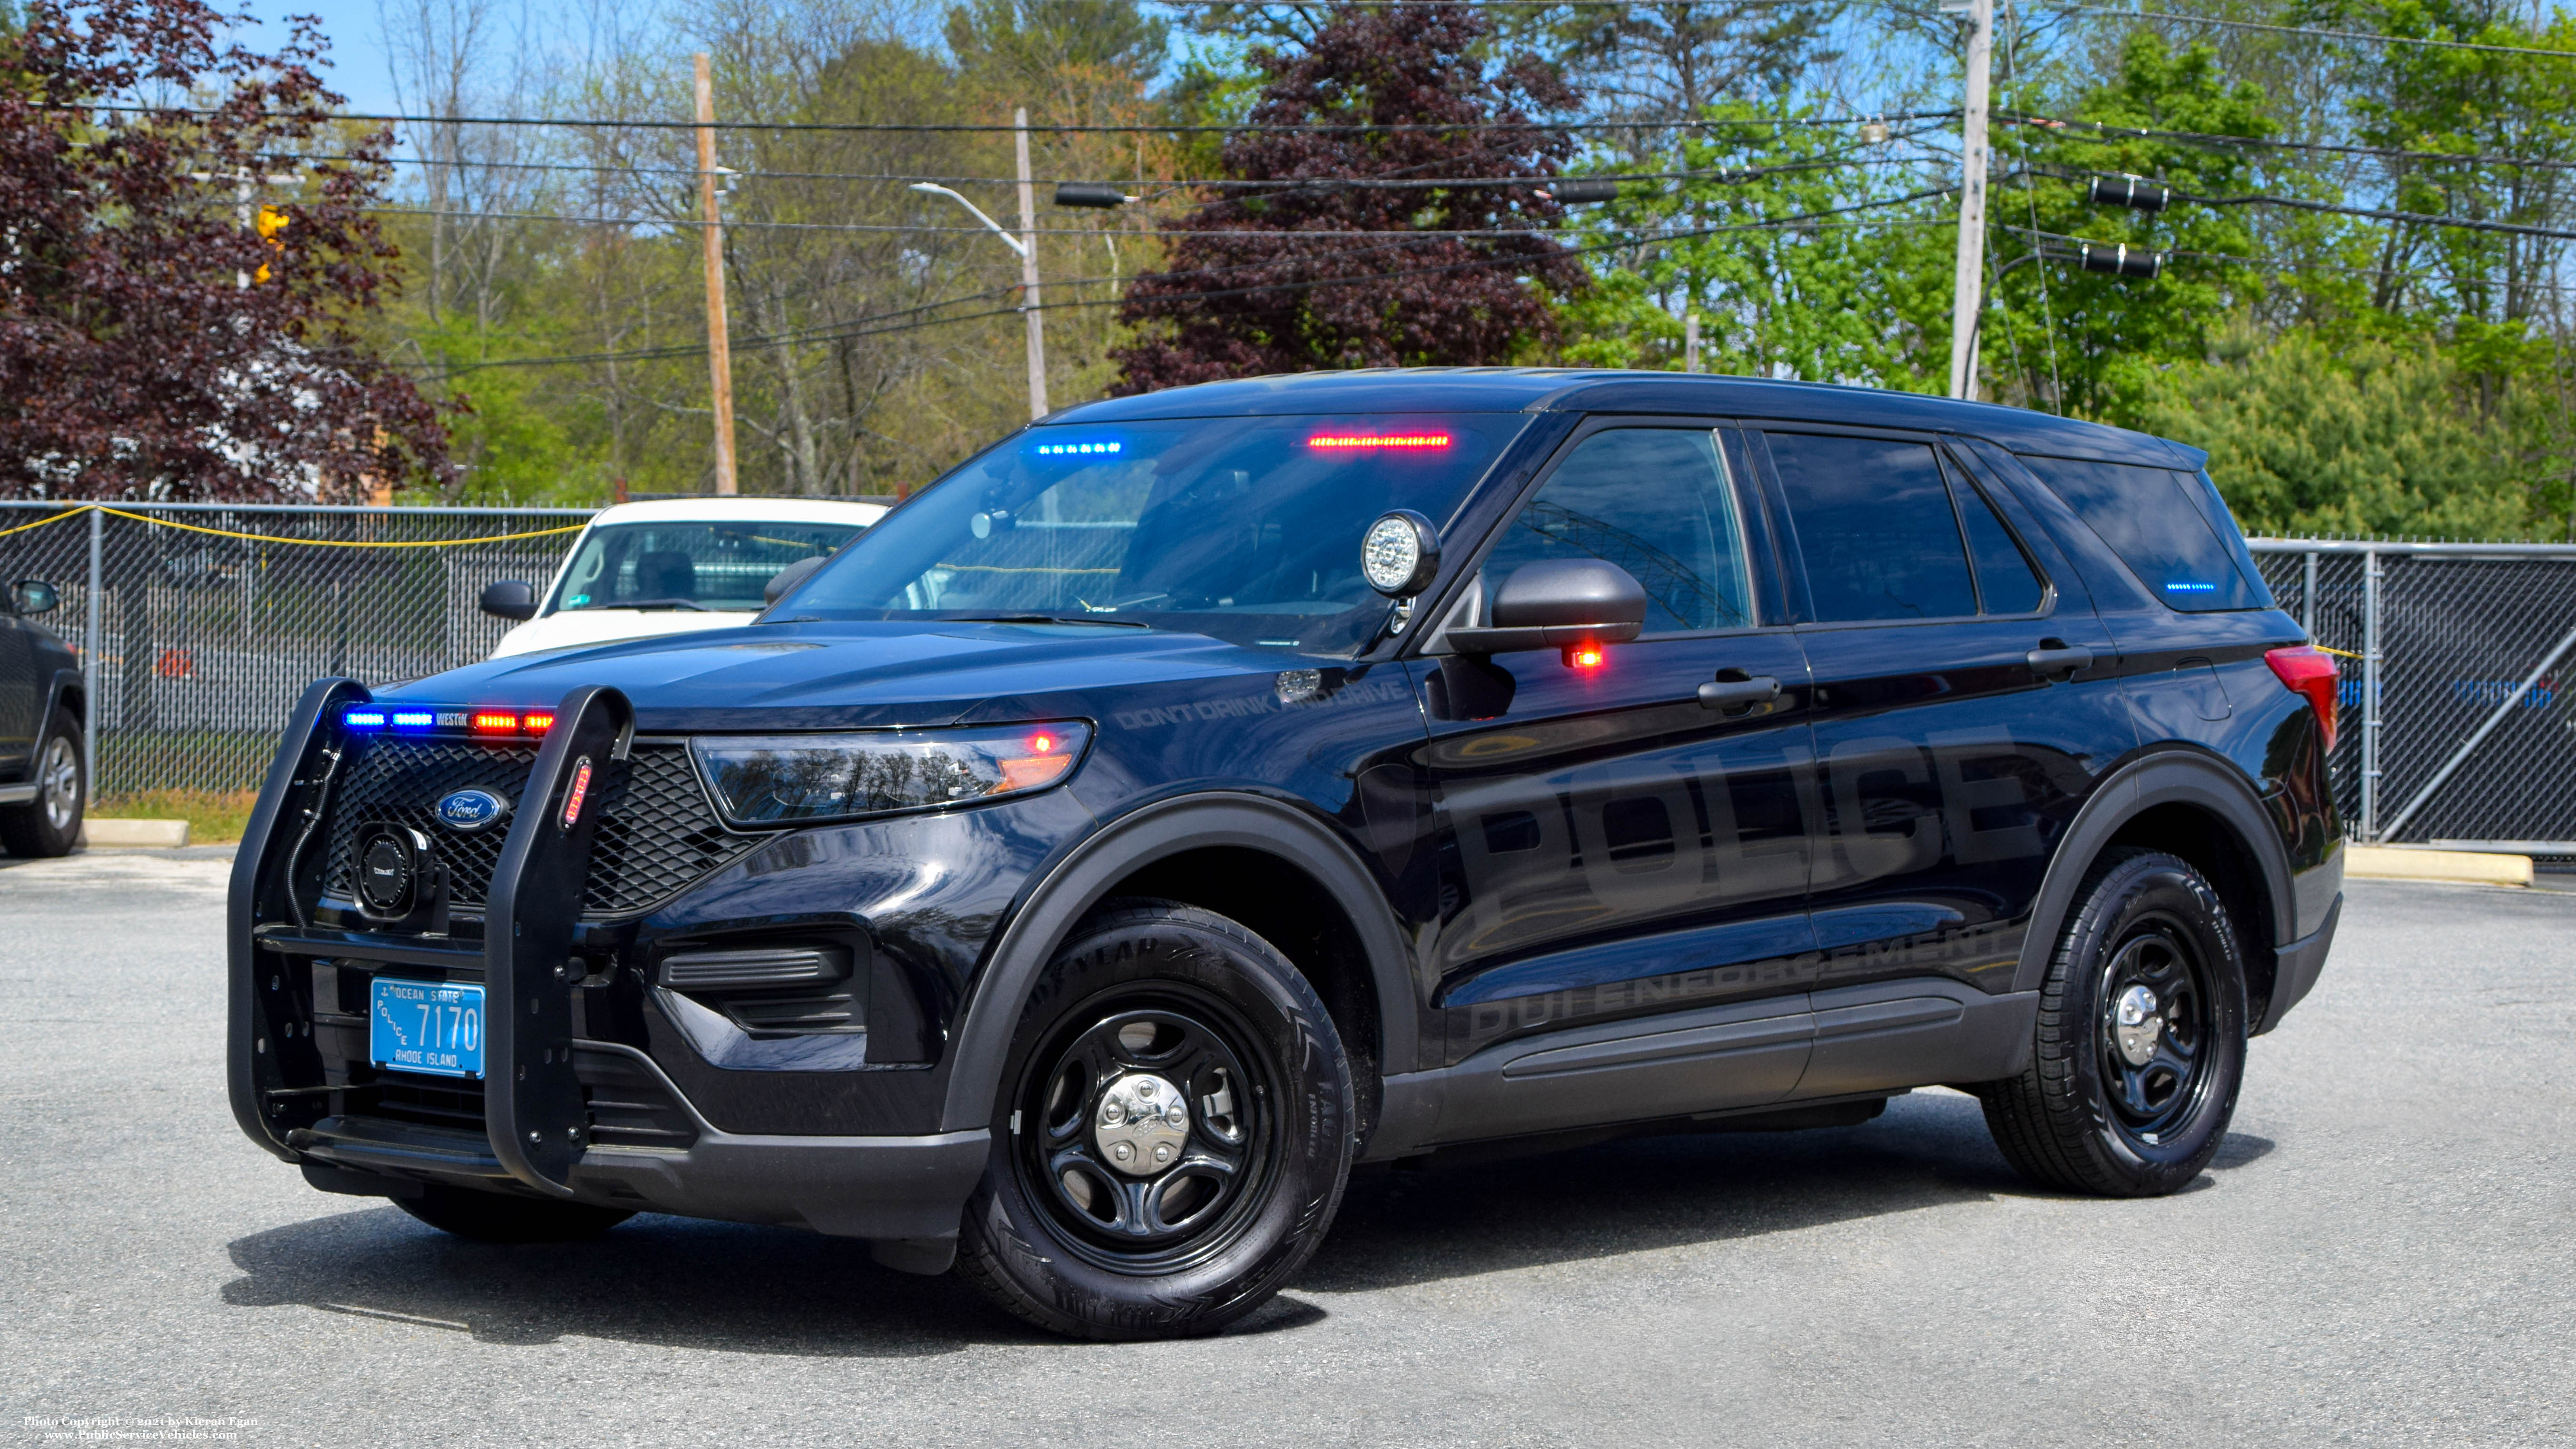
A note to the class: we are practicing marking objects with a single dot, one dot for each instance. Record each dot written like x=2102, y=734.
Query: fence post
x=2370, y=697
x=89, y=663
x=2308, y=598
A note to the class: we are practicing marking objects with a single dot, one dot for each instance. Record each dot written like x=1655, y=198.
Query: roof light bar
x=1340, y=441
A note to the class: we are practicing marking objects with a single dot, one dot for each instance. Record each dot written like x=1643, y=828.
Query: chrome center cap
x=2135, y=1025
x=1141, y=1125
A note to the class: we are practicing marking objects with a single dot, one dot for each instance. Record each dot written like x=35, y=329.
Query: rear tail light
x=2308, y=670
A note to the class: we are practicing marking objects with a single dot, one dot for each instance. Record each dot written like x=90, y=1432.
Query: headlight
x=797, y=779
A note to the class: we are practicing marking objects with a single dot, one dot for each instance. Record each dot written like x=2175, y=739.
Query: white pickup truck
x=672, y=566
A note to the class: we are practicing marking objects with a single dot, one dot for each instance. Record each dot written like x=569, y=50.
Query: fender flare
x=2165, y=777
x=67, y=682
x=1085, y=876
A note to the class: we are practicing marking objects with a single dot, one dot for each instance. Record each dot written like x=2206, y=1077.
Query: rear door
x=1615, y=847
x=1965, y=698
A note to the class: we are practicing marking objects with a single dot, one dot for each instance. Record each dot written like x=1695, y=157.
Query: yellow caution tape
x=72, y=512
x=2340, y=653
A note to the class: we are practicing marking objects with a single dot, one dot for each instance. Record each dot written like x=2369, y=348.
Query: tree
x=137, y=356
x=1260, y=282
x=2373, y=441
x=1801, y=259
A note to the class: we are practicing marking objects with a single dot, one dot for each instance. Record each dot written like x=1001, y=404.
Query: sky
x=358, y=69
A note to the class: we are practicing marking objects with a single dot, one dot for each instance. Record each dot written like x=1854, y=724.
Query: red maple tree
x=1259, y=285
x=152, y=346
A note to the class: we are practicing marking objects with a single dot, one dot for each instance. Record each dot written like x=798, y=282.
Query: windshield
x=1247, y=529
x=689, y=565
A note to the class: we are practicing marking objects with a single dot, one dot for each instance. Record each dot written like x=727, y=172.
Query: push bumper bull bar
x=536, y=1118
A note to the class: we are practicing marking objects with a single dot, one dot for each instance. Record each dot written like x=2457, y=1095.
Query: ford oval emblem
x=471, y=809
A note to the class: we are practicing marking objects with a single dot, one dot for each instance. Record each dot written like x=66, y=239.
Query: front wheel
x=50, y=824
x=2141, y=1044
x=1172, y=1132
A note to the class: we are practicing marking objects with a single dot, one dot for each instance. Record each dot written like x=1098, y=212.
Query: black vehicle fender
x=1087, y=874
x=2174, y=776
x=66, y=685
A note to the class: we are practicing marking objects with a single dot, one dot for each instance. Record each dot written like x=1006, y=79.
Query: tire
x=2134, y=1102
x=1128, y=1225
x=496, y=1217
x=50, y=824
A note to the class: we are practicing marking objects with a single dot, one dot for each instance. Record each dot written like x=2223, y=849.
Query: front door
x=1965, y=701
x=1614, y=846
x=22, y=694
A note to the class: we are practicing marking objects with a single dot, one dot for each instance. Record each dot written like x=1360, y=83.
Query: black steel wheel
x=2141, y=1037
x=1171, y=1136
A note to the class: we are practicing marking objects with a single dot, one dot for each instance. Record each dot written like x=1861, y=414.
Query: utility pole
x=1972, y=202
x=245, y=192
x=719, y=340
x=1029, y=272
x=1690, y=342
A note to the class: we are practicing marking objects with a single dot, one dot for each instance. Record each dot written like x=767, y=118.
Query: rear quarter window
x=2170, y=529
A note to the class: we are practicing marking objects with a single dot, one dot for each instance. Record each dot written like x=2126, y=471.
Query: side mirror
x=510, y=599
x=784, y=582
x=1559, y=604
x=1400, y=554
x=35, y=597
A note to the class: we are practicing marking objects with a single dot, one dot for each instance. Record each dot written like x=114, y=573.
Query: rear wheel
x=1172, y=1134
x=50, y=824
x=2141, y=1043
x=495, y=1217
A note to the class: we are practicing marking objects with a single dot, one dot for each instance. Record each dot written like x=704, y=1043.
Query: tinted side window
x=1654, y=501
x=2005, y=580
x=2157, y=528
x=1875, y=528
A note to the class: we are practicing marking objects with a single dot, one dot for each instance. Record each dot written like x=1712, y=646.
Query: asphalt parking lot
x=2381, y=1255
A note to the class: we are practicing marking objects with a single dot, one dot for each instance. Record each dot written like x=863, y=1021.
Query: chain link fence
x=2458, y=727
x=199, y=624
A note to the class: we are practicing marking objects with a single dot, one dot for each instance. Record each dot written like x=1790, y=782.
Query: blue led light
x=364, y=719
x=414, y=719
x=1063, y=450
x=2191, y=588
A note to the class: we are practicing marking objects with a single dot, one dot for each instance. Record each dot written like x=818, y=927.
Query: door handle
x=2055, y=659
x=1742, y=692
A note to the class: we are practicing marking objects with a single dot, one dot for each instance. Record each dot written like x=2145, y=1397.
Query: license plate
x=427, y=1026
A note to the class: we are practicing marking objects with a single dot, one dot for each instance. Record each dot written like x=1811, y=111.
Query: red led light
x=537, y=722
x=1041, y=744
x=1378, y=440
x=493, y=722
x=1586, y=656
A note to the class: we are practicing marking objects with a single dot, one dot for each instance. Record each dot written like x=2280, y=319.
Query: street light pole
x=1027, y=252
x=719, y=329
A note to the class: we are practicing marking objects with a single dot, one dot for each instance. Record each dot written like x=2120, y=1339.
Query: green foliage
x=2303, y=440
x=2109, y=333
x=1856, y=293
x=1029, y=41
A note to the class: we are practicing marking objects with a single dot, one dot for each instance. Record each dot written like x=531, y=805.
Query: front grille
x=656, y=832
x=627, y=1104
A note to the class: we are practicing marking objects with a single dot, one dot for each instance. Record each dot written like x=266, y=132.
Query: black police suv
x=1198, y=795
x=42, y=786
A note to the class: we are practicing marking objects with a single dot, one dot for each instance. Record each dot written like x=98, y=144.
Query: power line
x=2275, y=266
x=1634, y=123
x=1816, y=219
x=2373, y=37
x=2207, y=138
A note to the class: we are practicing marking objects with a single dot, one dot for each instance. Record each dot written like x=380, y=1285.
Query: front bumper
x=559, y=1113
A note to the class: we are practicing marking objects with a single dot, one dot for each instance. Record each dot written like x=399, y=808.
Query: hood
x=843, y=675
x=580, y=628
